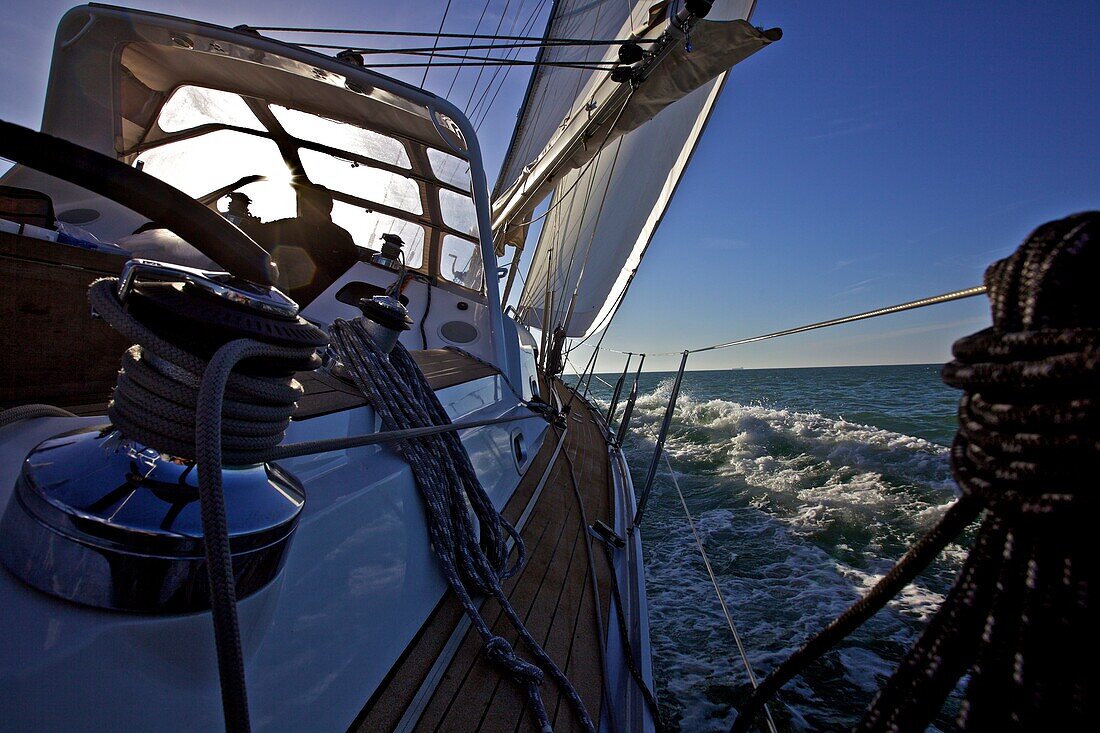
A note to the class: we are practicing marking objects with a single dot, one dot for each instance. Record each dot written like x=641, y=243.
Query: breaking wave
x=800, y=512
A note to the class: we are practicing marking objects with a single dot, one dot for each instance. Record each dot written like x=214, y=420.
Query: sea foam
x=800, y=513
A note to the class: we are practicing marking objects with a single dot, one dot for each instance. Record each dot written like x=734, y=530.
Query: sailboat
x=335, y=484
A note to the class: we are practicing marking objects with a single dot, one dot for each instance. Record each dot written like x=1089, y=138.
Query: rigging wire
x=602, y=381
x=481, y=71
x=374, y=50
x=523, y=112
x=606, y=137
x=888, y=310
x=514, y=53
x=473, y=36
x=469, y=47
x=489, y=62
x=441, y=55
x=442, y=21
x=920, y=303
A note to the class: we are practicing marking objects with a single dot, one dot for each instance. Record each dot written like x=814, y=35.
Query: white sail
x=591, y=250
x=604, y=212
x=553, y=90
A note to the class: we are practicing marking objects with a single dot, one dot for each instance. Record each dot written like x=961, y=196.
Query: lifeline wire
x=718, y=590
x=888, y=310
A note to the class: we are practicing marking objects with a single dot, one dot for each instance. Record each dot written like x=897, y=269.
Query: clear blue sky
x=880, y=152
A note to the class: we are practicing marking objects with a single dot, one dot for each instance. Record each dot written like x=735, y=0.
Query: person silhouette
x=310, y=250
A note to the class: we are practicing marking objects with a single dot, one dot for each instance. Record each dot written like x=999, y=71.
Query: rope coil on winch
x=157, y=398
x=1027, y=454
x=449, y=486
x=174, y=401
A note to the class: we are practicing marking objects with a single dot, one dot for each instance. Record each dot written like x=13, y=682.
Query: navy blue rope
x=398, y=391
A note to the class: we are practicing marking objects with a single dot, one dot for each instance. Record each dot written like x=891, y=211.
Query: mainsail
x=612, y=159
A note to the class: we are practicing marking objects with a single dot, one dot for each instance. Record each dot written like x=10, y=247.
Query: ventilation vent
x=458, y=332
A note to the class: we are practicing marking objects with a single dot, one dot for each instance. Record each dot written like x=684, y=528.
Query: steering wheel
x=205, y=229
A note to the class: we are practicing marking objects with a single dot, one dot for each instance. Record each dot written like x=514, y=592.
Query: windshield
x=209, y=140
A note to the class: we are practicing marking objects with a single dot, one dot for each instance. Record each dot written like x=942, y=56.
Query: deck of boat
x=444, y=683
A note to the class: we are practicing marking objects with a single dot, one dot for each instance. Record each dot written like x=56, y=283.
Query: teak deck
x=553, y=594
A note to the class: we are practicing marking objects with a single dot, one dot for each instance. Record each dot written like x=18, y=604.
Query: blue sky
x=879, y=153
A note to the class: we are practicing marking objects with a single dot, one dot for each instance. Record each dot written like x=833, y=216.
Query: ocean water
x=806, y=486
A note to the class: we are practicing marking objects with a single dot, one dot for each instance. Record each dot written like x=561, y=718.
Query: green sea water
x=806, y=486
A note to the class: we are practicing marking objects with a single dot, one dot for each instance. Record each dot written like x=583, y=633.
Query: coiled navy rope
x=26, y=412
x=1027, y=454
x=157, y=403
x=1027, y=450
x=176, y=402
x=398, y=391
